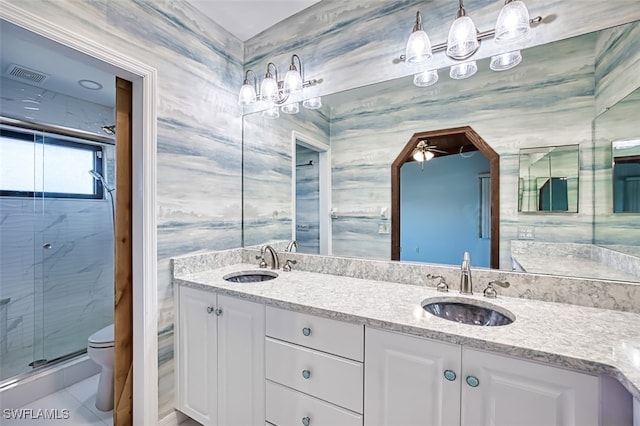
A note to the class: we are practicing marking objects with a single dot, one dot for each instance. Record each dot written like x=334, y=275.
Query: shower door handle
x=47, y=246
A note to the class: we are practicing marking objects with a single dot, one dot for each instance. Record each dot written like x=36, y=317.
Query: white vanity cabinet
x=314, y=370
x=415, y=381
x=220, y=358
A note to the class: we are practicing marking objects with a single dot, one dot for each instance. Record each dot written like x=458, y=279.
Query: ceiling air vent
x=18, y=72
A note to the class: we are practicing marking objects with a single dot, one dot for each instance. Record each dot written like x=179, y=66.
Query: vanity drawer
x=287, y=407
x=325, y=376
x=335, y=337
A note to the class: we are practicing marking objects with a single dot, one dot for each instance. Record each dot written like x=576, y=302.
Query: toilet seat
x=102, y=338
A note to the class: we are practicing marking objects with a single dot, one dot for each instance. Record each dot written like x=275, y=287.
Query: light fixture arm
x=268, y=74
x=418, y=25
x=292, y=67
x=461, y=11
x=255, y=79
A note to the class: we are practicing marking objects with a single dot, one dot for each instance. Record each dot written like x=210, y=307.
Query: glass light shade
x=247, y=95
x=463, y=38
x=293, y=108
x=422, y=155
x=463, y=70
x=505, y=61
x=271, y=113
x=292, y=82
x=269, y=89
x=426, y=78
x=513, y=22
x=312, y=103
x=418, y=48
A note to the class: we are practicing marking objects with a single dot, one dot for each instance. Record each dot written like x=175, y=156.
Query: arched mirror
x=437, y=173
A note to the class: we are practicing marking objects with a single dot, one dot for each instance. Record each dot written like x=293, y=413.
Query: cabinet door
x=196, y=355
x=514, y=392
x=241, y=381
x=405, y=382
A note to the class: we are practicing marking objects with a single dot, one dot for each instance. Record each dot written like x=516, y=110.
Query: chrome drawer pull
x=306, y=374
x=306, y=331
x=306, y=421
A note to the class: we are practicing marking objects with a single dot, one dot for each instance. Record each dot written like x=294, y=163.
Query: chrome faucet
x=292, y=244
x=466, y=286
x=274, y=256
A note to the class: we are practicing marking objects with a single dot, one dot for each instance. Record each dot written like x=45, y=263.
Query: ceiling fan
x=425, y=152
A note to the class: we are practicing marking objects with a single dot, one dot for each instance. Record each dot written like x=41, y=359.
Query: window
x=36, y=164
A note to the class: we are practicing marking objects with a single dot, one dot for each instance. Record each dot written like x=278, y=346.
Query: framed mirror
x=549, y=179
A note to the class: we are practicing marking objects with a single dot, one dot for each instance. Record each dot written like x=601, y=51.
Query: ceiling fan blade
x=433, y=149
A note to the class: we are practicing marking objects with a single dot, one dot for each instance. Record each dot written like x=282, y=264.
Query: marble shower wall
x=199, y=127
x=54, y=108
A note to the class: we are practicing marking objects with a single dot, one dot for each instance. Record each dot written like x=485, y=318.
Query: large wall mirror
x=550, y=96
x=617, y=151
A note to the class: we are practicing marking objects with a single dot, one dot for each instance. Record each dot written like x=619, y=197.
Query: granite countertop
x=581, y=338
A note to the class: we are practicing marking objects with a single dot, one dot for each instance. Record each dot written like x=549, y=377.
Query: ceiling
x=247, y=18
x=63, y=72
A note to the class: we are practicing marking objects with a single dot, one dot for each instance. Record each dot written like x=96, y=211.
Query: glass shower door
x=77, y=241
x=20, y=251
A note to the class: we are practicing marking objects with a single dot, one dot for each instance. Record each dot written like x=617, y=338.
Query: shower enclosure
x=56, y=244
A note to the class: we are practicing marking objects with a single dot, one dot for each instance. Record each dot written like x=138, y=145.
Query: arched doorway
x=448, y=142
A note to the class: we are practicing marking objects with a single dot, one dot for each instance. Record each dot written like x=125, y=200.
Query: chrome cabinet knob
x=473, y=381
x=209, y=309
x=450, y=375
x=306, y=331
x=306, y=374
x=306, y=421
x=218, y=312
x=47, y=246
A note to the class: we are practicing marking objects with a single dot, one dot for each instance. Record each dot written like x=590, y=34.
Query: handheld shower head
x=97, y=176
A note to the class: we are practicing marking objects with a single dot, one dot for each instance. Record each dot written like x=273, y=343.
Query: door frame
x=144, y=251
x=324, y=167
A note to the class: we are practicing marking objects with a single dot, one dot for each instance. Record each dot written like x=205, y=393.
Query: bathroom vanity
x=308, y=348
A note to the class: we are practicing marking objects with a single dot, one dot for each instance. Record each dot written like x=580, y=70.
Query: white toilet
x=100, y=350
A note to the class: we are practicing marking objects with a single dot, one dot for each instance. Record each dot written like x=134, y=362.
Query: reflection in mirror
x=626, y=176
x=549, y=179
x=614, y=130
x=550, y=96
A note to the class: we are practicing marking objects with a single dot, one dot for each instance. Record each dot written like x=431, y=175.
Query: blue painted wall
x=440, y=214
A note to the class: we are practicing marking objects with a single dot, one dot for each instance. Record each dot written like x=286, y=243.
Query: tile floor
x=78, y=399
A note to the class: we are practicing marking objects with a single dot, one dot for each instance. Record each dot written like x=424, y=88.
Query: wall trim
x=145, y=293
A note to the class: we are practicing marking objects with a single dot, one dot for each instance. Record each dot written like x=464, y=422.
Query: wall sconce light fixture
x=276, y=92
x=513, y=24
